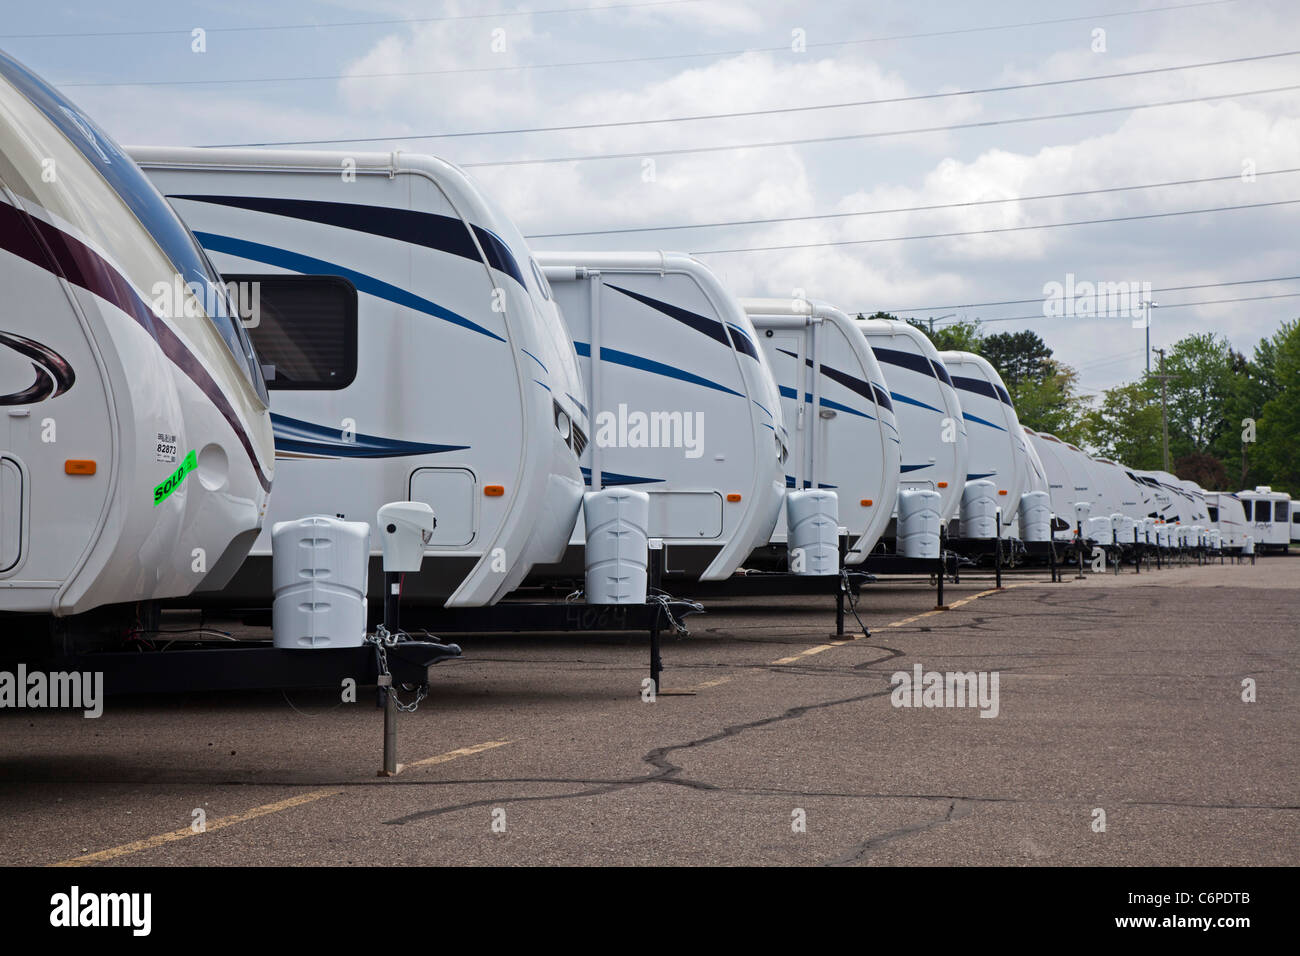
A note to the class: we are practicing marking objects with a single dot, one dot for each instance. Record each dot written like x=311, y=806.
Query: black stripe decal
x=443, y=233
x=710, y=327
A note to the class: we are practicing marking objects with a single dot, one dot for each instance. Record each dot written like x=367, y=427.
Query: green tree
x=1200, y=367
x=958, y=337
x=1278, y=428
x=1050, y=402
x=1018, y=356
x=1125, y=427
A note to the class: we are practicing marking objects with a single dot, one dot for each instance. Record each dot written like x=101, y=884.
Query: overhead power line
x=845, y=137
x=899, y=209
x=1002, y=229
x=1173, y=305
x=185, y=31
x=772, y=111
x=710, y=54
x=1168, y=288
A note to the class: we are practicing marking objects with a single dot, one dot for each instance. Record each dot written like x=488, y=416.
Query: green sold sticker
x=174, y=480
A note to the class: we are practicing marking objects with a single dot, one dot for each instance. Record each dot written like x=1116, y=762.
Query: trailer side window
x=1245, y=508
x=303, y=327
x=1213, y=512
x=1280, y=510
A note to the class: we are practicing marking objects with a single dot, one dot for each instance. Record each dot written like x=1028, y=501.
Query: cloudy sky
x=376, y=70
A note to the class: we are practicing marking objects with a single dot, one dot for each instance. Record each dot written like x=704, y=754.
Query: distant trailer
x=993, y=432
x=837, y=410
x=1228, y=516
x=1068, y=482
x=682, y=404
x=1268, y=516
x=928, y=410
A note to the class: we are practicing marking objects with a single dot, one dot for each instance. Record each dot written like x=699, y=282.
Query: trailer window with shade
x=303, y=327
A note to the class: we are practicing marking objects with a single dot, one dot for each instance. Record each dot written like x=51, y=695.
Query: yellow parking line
x=162, y=839
x=149, y=843
x=711, y=683
x=810, y=651
x=453, y=754
x=914, y=617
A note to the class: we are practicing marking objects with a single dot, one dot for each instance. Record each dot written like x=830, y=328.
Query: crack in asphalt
x=866, y=846
x=666, y=771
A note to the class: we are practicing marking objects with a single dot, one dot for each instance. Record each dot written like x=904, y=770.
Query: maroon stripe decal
x=60, y=253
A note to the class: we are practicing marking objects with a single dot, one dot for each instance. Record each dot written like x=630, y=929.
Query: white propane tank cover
x=812, y=544
x=1098, y=529
x=1082, y=509
x=319, y=572
x=1216, y=539
x=979, y=509
x=404, y=529
x=918, y=523
x=617, y=554
x=1035, y=516
x=1248, y=546
x=1125, y=529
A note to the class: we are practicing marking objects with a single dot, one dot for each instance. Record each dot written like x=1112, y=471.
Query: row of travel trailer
x=198, y=344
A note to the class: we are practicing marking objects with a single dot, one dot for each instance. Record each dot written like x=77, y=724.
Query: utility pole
x=1148, y=305
x=1164, y=403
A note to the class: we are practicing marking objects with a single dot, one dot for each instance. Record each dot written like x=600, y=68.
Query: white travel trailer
x=994, y=435
x=840, y=419
x=1268, y=515
x=137, y=458
x=1227, y=515
x=927, y=409
x=683, y=405
x=413, y=352
x=1068, y=482
x=1173, y=503
x=1197, y=498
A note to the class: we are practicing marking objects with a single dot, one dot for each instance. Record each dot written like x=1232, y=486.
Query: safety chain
x=846, y=585
x=665, y=603
x=383, y=639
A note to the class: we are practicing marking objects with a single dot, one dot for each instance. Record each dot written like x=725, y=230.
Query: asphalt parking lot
x=772, y=743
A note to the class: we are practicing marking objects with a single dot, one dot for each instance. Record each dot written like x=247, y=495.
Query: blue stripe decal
x=975, y=418
x=581, y=406
x=627, y=359
x=769, y=414
x=987, y=474
x=787, y=392
x=912, y=401
x=292, y=434
x=791, y=483
x=906, y=468
x=614, y=478
x=543, y=384
x=538, y=361
x=828, y=403
x=307, y=265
